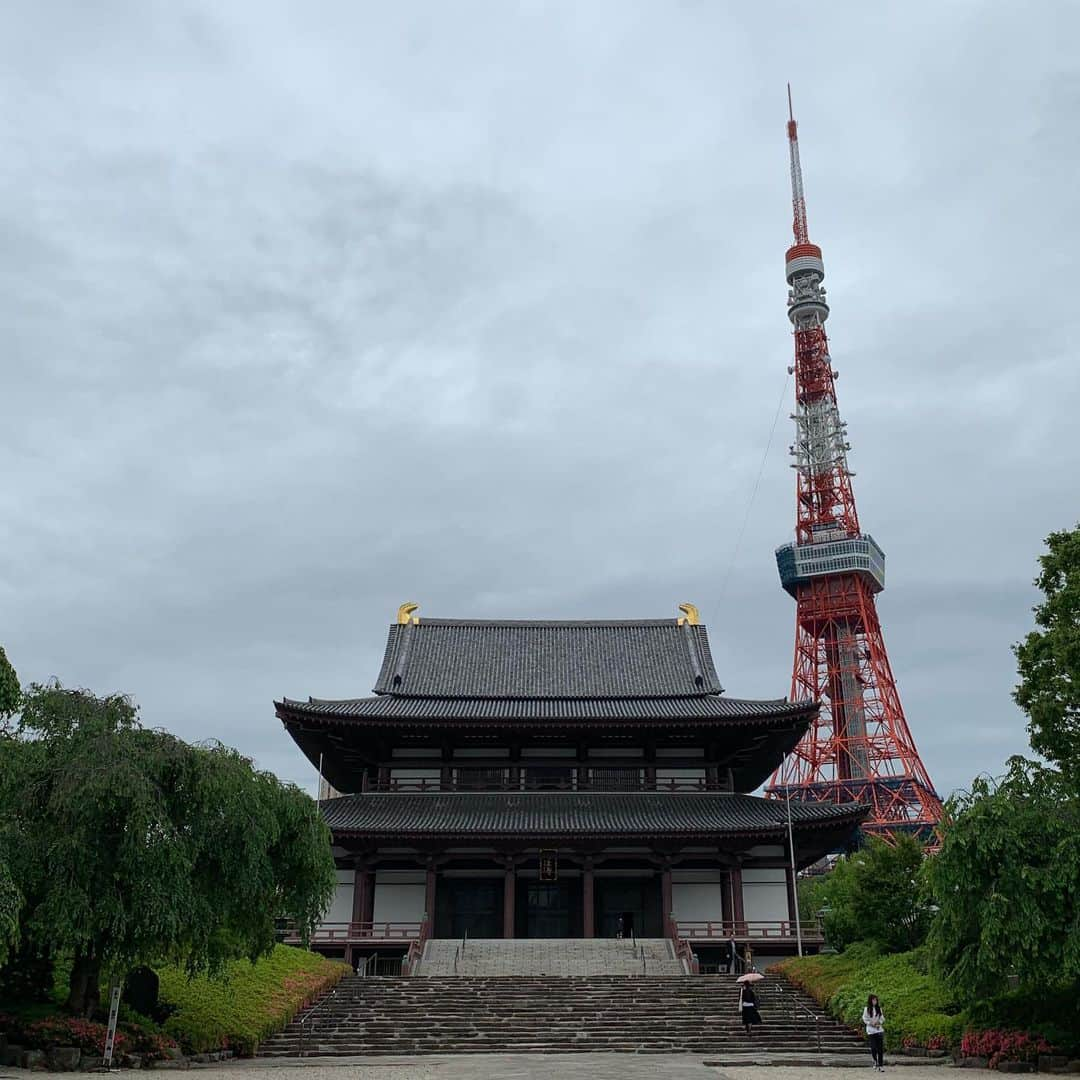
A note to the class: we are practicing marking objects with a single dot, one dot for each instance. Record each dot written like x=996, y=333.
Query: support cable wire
x=753, y=494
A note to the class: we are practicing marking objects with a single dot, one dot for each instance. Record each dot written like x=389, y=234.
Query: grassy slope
x=252, y=1002
x=916, y=1004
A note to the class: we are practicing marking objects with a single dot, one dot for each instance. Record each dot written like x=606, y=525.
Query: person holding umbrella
x=748, y=1009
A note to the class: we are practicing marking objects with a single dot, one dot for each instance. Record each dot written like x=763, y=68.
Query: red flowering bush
x=88, y=1036
x=937, y=1042
x=72, y=1031
x=998, y=1046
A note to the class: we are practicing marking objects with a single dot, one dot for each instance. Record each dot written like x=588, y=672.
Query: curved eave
x=521, y=712
x=480, y=819
x=758, y=743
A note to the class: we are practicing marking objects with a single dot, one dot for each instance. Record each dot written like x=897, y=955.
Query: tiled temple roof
x=548, y=815
x=457, y=658
x=487, y=680
x=448, y=670
x=703, y=707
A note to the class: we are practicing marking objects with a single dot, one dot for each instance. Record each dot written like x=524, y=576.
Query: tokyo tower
x=859, y=748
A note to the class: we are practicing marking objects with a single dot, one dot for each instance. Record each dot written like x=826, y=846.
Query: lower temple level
x=707, y=898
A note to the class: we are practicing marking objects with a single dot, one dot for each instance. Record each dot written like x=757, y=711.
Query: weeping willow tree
x=136, y=847
x=10, y=896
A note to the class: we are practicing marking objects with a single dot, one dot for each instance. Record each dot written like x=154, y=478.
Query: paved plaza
x=533, y=1067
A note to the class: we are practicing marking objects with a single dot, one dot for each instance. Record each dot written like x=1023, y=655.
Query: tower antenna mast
x=859, y=749
x=798, y=198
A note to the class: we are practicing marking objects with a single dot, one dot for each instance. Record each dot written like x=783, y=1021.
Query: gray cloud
x=313, y=309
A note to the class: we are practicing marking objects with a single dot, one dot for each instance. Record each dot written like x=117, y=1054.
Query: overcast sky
x=313, y=308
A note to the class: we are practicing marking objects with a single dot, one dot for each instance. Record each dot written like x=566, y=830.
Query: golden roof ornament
x=405, y=614
x=691, y=615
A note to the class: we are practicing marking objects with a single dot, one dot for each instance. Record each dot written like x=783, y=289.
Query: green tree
x=1048, y=659
x=138, y=847
x=829, y=896
x=888, y=902
x=10, y=896
x=10, y=693
x=874, y=895
x=1007, y=881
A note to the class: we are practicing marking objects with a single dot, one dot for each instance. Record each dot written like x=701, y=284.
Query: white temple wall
x=765, y=897
x=697, y=895
x=399, y=895
x=341, y=905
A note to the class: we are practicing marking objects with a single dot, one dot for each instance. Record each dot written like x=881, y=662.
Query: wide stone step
x=553, y=1015
x=404, y=1047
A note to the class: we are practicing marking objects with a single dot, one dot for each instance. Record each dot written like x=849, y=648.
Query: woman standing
x=874, y=1020
x=748, y=1007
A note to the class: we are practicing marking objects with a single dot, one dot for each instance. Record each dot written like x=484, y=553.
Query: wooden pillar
x=509, y=894
x=736, y=895
x=361, y=886
x=369, y=903
x=665, y=899
x=588, y=902
x=429, y=895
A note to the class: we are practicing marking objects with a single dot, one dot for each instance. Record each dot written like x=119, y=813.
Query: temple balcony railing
x=413, y=784
x=746, y=931
x=350, y=933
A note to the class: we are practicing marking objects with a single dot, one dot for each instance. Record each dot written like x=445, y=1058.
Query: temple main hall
x=559, y=779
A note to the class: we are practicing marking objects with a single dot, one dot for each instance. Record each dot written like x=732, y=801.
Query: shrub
x=251, y=1002
x=151, y=1045
x=60, y=1030
x=72, y=1031
x=917, y=1005
x=935, y=1031
x=1053, y=1013
x=998, y=1046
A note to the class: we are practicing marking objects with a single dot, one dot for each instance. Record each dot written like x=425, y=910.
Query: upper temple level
x=519, y=659
x=630, y=704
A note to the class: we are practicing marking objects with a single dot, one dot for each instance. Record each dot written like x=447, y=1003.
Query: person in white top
x=874, y=1020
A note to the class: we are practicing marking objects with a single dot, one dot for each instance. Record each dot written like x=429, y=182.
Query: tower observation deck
x=859, y=748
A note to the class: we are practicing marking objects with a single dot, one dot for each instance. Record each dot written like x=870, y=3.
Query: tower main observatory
x=859, y=748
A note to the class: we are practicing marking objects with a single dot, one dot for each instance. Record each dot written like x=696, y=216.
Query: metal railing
x=780, y=994
x=374, y=966
x=309, y=1022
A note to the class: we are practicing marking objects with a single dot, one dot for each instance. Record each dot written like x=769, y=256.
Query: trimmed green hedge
x=916, y=1004
x=250, y=1003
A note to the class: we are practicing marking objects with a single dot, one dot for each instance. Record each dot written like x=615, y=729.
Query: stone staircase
x=658, y=1014
x=551, y=956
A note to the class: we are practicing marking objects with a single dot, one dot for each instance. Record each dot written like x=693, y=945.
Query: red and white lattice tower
x=859, y=749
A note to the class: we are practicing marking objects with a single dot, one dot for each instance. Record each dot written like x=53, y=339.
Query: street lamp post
x=794, y=879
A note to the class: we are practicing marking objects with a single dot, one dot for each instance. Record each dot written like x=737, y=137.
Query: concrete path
x=529, y=1067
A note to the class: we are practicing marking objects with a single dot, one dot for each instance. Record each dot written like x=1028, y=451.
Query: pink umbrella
x=750, y=977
